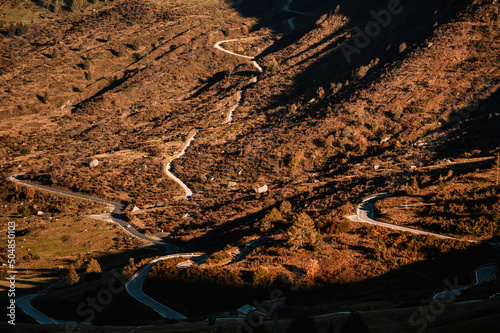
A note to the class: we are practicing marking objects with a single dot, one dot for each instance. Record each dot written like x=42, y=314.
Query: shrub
x=380, y=249
x=272, y=65
x=322, y=19
x=402, y=47
x=26, y=151
x=262, y=278
x=361, y=72
x=121, y=50
x=136, y=56
x=320, y=93
x=135, y=45
x=25, y=211
x=335, y=87
x=339, y=227
x=12, y=30
x=45, y=98
x=272, y=217
x=53, y=177
x=285, y=207
x=55, y=7
x=219, y=257
x=30, y=193
x=75, y=5
x=295, y=161
x=21, y=29
x=398, y=113
x=311, y=268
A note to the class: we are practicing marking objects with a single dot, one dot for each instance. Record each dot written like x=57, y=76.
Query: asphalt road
x=485, y=273
x=115, y=216
x=135, y=283
x=24, y=303
x=364, y=213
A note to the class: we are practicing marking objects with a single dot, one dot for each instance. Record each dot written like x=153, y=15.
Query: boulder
x=261, y=189
x=93, y=163
x=231, y=184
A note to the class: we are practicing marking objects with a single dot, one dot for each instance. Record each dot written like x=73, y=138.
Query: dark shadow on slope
x=208, y=83
x=378, y=33
x=383, y=29
x=472, y=131
x=411, y=285
x=112, y=85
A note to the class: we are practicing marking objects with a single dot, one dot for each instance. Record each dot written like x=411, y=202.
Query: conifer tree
x=72, y=277
x=93, y=266
x=268, y=221
x=303, y=232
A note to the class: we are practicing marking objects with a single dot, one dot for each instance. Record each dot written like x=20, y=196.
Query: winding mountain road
x=290, y=20
x=188, y=193
x=254, y=62
x=115, y=216
x=135, y=283
x=287, y=8
x=219, y=47
x=364, y=213
x=24, y=303
x=485, y=273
